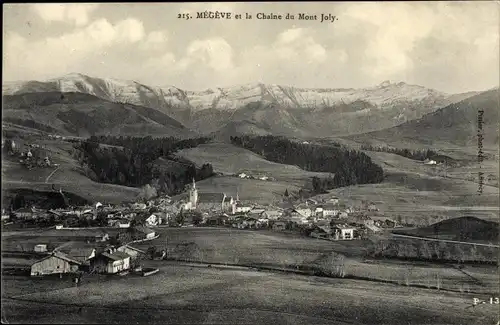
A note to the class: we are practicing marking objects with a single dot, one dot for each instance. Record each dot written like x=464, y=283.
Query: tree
x=180, y=218
x=286, y=193
x=197, y=218
x=151, y=252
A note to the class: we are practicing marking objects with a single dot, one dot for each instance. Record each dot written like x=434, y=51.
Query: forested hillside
x=133, y=161
x=348, y=166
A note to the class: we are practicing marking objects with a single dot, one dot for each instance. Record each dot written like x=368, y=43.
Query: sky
x=449, y=46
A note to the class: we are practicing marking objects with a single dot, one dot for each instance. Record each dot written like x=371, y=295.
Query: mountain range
x=82, y=105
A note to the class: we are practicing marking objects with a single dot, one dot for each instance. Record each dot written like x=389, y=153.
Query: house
x=333, y=200
x=40, y=248
x=279, y=225
x=24, y=213
x=330, y=210
x=55, y=263
x=343, y=215
x=111, y=261
x=429, y=162
x=122, y=223
x=240, y=208
x=148, y=220
x=372, y=207
x=133, y=252
x=311, y=202
x=139, y=206
x=343, y=232
x=78, y=251
x=144, y=232
x=272, y=214
x=306, y=212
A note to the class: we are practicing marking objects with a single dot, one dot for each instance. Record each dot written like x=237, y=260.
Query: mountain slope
x=456, y=124
x=280, y=110
x=81, y=114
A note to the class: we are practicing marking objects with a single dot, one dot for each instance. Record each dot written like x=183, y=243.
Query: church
x=207, y=201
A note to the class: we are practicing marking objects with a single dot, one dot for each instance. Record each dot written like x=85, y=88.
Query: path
x=444, y=240
x=48, y=177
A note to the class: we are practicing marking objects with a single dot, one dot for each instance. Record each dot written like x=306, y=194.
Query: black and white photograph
x=251, y=163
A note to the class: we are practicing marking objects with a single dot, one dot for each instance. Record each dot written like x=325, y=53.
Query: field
x=187, y=294
x=291, y=251
x=69, y=176
x=372, y=291
x=229, y=159
x=249, y=190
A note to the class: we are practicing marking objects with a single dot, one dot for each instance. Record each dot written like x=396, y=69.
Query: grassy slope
x=228, y=159
x=83, y=114
x=70, y=176
x=188, y=295
x=180, y=294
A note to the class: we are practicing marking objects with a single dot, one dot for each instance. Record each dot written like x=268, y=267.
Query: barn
x=55, y=263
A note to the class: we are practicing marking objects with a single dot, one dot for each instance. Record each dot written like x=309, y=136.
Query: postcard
x=251, y=163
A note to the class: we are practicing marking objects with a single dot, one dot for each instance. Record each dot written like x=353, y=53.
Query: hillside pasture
x=229, y=159
x=249, y=190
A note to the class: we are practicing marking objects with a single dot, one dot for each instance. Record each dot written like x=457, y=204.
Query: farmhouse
x=57, y=262
x=133, y=252
x=110, y=262
x=343, y=232
x=78, y=251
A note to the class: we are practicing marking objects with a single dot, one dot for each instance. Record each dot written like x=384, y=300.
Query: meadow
x=182, y=294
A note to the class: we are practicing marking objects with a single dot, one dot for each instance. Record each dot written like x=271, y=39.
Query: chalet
x=343, y=232
x=330, y=210
x=78, y=251
x=55, y=263
x=40, y=248
x=240, y=208
x=111, y=261
x=122, y=223
x=133, y=252
x=279, y=225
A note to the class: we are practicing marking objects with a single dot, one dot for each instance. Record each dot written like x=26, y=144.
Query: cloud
x=54, y=55
x=77, y=14
x=156, y=40
x=214, y=53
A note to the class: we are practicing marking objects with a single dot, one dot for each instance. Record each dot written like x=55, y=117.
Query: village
x=102, y=238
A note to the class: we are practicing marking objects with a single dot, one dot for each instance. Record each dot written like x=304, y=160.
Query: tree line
x=417, y=154
x=132, y=161
x=349, y=167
